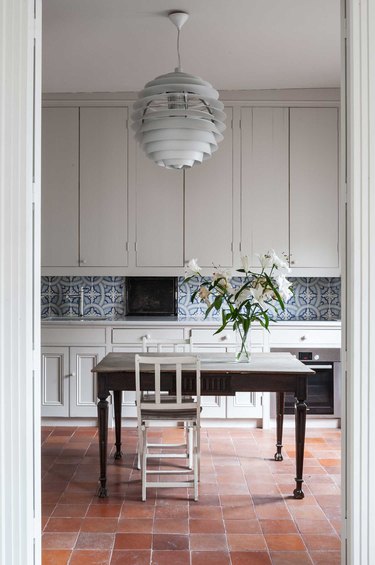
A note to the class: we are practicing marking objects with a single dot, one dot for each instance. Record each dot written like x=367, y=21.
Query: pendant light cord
x=178, y=50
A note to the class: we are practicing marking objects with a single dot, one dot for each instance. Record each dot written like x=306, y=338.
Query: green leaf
x=193, y=296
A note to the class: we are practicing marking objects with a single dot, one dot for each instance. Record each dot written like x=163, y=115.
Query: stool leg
x=190, y=442
x=196, y=464
x=143, y=455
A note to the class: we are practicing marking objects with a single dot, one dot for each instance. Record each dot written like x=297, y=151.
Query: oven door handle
x=319, y=366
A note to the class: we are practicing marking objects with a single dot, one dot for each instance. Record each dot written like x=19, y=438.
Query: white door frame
x=20, y=278
x=20, y=101
x=359, y=281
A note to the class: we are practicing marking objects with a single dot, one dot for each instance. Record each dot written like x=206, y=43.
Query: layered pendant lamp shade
x=178, y=117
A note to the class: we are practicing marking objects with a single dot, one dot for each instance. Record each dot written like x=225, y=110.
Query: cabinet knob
x=224, y=338
x=292, y=262
x=71, y=375
x=303, y=338
x=147, y=336
x=83, y=261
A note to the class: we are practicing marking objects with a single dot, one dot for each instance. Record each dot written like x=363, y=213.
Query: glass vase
x=243, y=337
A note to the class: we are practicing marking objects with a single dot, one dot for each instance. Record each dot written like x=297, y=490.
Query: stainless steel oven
x=324, y=388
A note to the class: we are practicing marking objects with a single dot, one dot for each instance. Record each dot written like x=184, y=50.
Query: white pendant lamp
x=178, y=117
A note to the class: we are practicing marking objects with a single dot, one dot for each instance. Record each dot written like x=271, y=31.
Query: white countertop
x=173, y=321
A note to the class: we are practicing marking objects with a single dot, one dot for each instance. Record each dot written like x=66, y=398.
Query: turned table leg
x=280, y=400
x=300, y=416
x=103, y=440
x=117, y=407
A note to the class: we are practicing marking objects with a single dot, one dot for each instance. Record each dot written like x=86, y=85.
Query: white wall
x=19, y=282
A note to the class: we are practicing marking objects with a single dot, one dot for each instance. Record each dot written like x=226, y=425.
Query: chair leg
x=195, y=465
x=190, y=446
x=144, y=461
x=139, y=449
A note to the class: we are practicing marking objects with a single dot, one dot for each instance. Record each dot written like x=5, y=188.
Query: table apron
x=218, y=384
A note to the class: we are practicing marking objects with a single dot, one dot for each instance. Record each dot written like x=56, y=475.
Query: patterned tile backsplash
x=314, y=298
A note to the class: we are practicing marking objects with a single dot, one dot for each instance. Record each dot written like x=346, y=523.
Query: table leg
x=117, y=407
x=103, y=440
x=280, y=400
x=300, y=416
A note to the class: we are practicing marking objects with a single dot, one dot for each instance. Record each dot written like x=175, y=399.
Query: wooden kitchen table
x=220, y=376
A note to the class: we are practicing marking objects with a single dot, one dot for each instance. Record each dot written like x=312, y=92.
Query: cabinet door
x=60, y=134
x=265, y=182
x=314, y=187
x=159, y=214
x=103, y=187
x=55, y=381
x=83, y=397
x=209, y=206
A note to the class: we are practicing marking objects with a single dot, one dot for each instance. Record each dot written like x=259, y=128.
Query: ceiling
x=119, y=45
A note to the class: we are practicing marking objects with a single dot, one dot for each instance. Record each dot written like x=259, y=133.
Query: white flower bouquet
x=251, y=301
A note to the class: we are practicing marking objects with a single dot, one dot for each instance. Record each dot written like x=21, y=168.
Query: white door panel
x=103, y=186
x=59, y=199
x=209, y=205
x=314, y=187
x=265, y=181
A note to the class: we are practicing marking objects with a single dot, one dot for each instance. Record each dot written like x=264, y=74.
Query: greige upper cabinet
x=60, y=181
x=314, y=202
x=84, y=187
x=159, y=214
x=103, y=187
x=209, y=205
x=265, y=181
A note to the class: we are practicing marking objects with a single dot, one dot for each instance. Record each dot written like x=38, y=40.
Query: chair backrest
x=154, y=364
x=158, y=345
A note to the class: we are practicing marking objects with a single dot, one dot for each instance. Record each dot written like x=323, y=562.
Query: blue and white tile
x=313, y=298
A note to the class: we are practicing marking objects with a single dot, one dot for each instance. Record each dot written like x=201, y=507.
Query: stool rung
x=166, y=445
x=166, y=455
x=170, y=484
x=169, y=472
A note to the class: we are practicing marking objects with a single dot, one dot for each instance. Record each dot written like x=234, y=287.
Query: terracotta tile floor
x=245, y=513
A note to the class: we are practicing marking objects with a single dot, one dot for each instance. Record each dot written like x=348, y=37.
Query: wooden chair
x=159, y=408
x=159, y=345
x=150, y=345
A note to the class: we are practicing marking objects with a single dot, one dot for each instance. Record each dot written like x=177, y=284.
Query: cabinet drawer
x=135, y=335
x=73, y=336
x=208, y=336
x=224, y=337
x=304, y=337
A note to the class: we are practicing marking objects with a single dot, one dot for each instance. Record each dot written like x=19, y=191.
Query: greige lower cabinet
x=70, y=351
x=68, y=386
x=55, y=381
